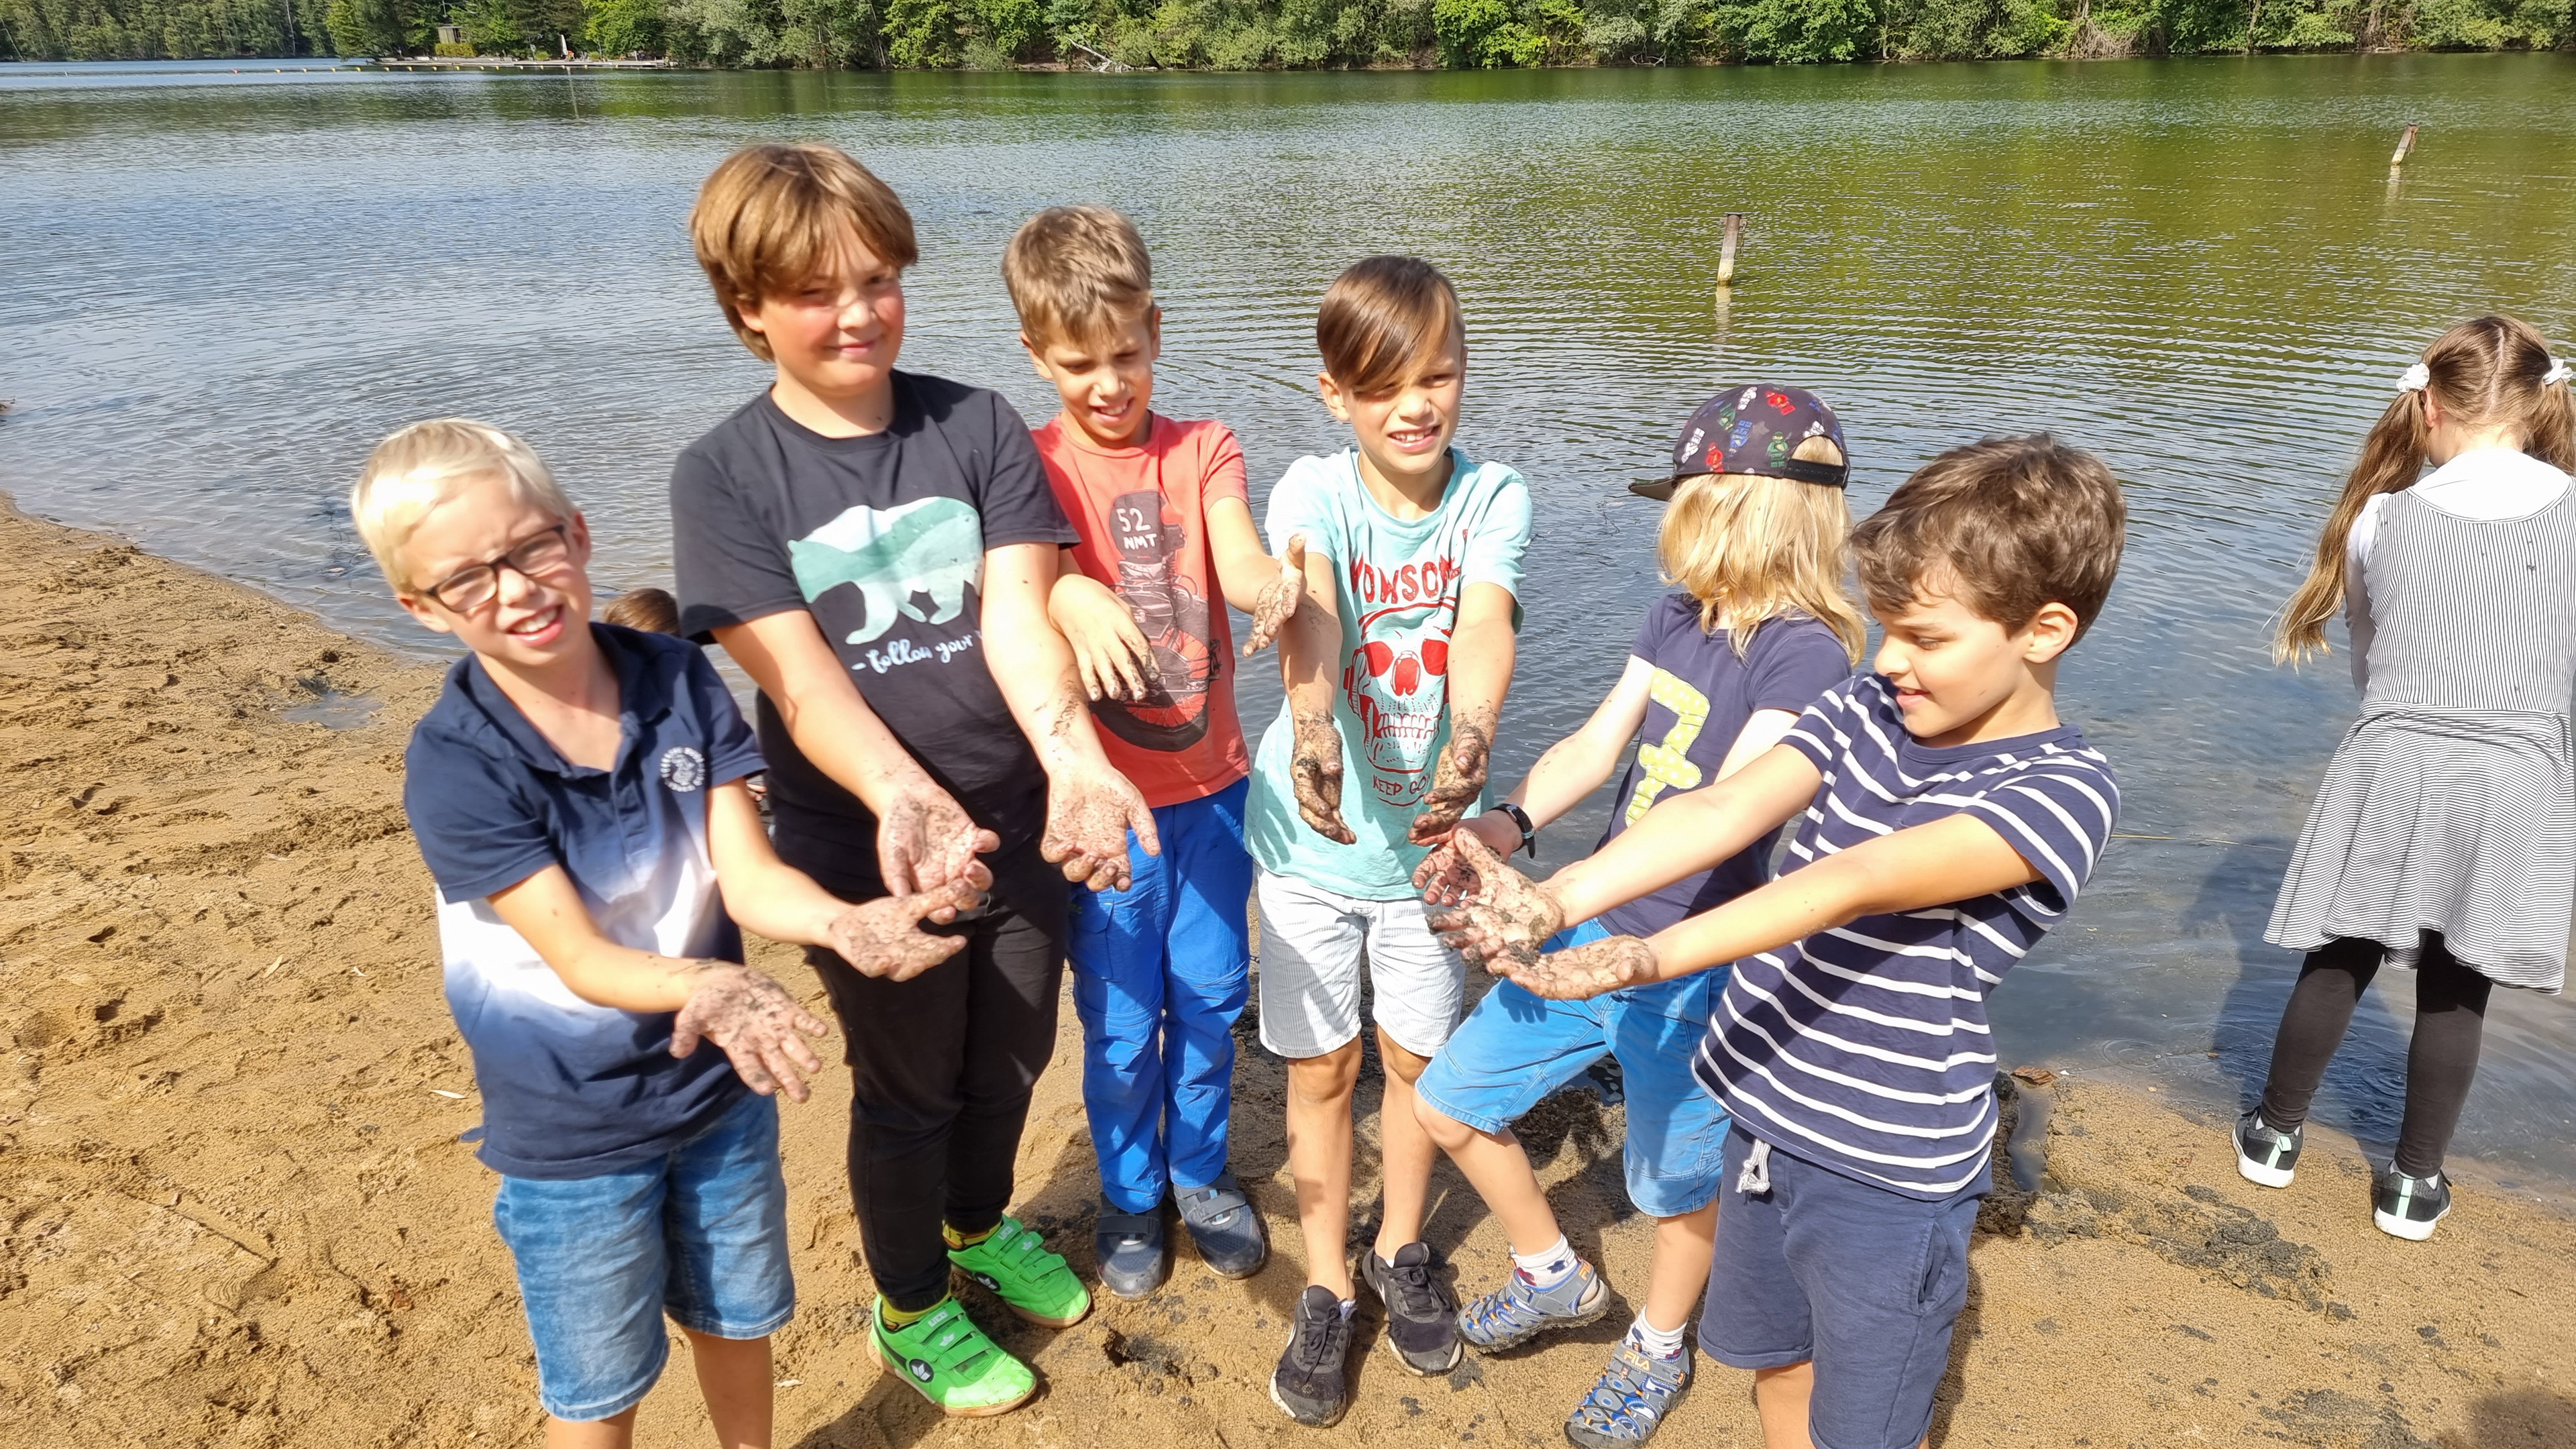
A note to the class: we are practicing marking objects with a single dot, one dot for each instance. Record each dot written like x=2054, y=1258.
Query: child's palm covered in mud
x=1491, y=912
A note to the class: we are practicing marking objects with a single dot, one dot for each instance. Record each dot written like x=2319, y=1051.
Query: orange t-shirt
x=1142, y=514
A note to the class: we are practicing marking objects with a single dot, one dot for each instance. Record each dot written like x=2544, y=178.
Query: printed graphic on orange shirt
x=1174, y=615
x=1397, y=680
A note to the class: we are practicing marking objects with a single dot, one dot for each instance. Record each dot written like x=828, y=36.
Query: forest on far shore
x=1269, y=34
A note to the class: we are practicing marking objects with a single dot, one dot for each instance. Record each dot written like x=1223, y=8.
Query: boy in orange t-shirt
x=1160, y=969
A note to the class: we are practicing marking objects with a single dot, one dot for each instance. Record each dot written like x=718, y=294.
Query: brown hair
x=1076, y=273
x=1383, y=320
x=2486, y=372
x=652, y=610
x=772, y=217
x=1752, y=548
x=2004, y=526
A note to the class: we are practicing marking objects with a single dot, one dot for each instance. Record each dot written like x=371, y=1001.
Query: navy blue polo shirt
x=571, y=1089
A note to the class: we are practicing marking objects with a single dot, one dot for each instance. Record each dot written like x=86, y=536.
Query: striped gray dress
x=2451, y=804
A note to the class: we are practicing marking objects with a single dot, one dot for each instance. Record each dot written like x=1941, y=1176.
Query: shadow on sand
x=2365, y=1087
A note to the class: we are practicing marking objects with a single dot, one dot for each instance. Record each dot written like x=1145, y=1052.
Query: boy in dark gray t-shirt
x=875, y=548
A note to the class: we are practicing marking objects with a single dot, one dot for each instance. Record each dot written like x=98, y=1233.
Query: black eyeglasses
x=475, y=585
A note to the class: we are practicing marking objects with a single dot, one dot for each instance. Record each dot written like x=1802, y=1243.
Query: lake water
x=221, y=287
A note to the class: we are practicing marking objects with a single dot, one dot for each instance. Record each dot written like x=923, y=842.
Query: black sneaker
x=1133, y=1254
x=2265, y=1155
x=1421, y=1315
x=2408, y=1207
x=1312, y=1384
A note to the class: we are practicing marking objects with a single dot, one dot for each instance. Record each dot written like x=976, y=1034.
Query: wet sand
x=233, y=1209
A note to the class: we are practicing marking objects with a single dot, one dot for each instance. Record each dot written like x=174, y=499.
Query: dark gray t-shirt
x=883, y=539
x=1701, y=698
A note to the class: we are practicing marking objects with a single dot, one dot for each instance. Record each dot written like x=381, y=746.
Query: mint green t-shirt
x=1397, y=592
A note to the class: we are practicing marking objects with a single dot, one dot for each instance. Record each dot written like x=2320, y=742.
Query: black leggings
x=943, y=1065
x=2450, y=1017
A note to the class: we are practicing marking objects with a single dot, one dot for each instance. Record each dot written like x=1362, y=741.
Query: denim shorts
x=1515, y=1048
x=700, y=1235
x=1864, y=1282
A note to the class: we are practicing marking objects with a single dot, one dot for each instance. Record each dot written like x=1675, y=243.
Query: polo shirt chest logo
x=683, y=768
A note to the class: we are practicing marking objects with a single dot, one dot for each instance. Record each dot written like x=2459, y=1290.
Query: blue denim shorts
x=700, y=1235
x=1515, y=1048
x=1864, y=1282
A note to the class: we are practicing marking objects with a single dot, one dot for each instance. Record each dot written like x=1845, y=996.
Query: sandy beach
x=234, y=1210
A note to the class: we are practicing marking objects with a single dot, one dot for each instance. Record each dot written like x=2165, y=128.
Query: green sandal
x=1034, y=1283
x=945, y=1356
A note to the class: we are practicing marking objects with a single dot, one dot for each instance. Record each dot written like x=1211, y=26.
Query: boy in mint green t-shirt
x=1396, y=675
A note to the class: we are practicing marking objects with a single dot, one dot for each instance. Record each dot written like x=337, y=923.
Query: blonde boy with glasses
x=577, y=792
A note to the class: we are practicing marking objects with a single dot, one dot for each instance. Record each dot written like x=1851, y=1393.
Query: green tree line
x=1268, y=34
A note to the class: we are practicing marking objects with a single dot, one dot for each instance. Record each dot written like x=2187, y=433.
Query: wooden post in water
x=2405, y=144
x=1726, y=252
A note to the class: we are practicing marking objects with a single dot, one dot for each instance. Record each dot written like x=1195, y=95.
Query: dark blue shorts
x=1863, y=1281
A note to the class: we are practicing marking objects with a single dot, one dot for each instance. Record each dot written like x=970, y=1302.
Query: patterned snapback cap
x=1754, y=429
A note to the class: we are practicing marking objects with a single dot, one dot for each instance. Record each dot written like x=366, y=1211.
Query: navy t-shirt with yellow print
x=1702, y=695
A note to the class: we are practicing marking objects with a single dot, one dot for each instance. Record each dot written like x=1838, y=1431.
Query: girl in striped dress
x=2443, y=837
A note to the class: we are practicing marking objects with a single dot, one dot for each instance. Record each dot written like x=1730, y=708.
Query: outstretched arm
x=1090, y=806
x=769, y=897
x=744, y=1011
x=1575, y=766
x=924, y=839
x=1955, y=858
x=1494, y=911
x=1310, y=650
x=1482, y=650
x=1109, y=649
x=1269, y=589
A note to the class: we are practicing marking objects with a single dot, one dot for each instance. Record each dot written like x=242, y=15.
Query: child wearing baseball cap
x=1947, y=818
x=1755, y=627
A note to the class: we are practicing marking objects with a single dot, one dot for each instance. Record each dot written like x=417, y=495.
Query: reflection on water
x=223, y=288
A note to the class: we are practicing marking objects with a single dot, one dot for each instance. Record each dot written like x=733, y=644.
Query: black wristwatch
x=1520, y=817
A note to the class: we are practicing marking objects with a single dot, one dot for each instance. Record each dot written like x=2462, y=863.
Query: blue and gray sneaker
x=1521, y=1310
x=2265, y=1155
x=2408, y=1207
x=1221, y=1220
x=1631, y=1397
x=1133, y=1256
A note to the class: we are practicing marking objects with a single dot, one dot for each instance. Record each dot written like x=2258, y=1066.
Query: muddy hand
x=1583, y=971
x=757, y=1023
x=1440, y=877
x=1316, y=772
x=1280, y=597
x=1456, y=783
x=1108, y=647
x=1498, y=912
x=925, y=840
x=1089, y=813
x=884, y=937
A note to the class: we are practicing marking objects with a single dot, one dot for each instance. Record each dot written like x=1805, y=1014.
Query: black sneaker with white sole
x=1312, y=1384
x=1421, y=1315
x=2266, y=1155
x=2408, y=1207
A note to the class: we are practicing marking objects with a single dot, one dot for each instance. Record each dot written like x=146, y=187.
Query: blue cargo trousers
x=1159, y=976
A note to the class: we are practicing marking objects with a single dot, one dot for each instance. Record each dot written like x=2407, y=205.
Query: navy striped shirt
x=1864, y=1048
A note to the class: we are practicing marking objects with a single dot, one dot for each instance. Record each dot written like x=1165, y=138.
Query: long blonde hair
x=2486, y=372
x=1752, y=548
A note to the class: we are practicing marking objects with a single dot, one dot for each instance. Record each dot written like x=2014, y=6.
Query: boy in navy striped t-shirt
x=1947, y=819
